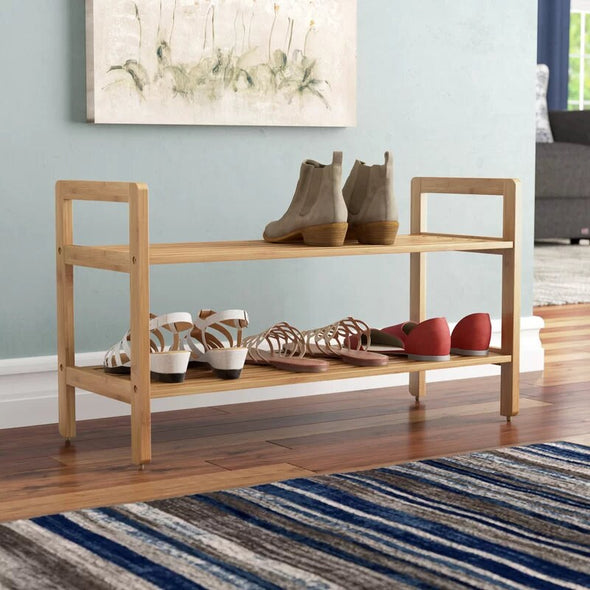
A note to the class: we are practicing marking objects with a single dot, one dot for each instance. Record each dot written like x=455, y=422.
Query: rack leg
x=141, y=437
x=417, y=314
x=65, y=315
x=66, y=406
x=510, y=372
x=418, y=215
x=139, y=300
x=418, y=385
x=509, y=390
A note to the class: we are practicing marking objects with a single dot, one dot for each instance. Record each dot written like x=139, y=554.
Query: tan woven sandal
x=283, y=347
x=347, y=339
x=210, y=341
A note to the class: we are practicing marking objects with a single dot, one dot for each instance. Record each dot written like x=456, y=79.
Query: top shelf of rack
x=118, y=258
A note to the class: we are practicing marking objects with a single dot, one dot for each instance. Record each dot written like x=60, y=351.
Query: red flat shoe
x=400, y=331
x=472, y=335
x=429, y=340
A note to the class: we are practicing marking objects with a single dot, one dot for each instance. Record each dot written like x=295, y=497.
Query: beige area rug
x=562, y=273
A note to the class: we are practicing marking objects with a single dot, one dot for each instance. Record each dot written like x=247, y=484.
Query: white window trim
x=580, y=6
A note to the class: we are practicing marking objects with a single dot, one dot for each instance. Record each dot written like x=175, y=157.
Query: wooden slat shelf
x=136, y=257
x=203, y=381
x=117, y=257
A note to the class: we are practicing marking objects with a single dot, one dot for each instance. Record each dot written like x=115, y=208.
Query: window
x=579, y=57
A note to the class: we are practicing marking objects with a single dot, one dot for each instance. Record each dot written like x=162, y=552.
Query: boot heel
x=329, y=234
x=169, y=366
x=377, y=232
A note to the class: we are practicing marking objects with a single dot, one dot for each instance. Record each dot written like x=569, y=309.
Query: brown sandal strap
x=283, y=347
x=346, y=334
x=281, y=340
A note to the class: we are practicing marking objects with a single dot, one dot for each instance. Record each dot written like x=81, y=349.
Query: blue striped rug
x=511, y=518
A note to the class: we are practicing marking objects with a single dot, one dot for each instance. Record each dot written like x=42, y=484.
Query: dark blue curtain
x=553, y=42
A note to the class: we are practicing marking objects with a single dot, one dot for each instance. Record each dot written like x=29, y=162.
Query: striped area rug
x=511, y=518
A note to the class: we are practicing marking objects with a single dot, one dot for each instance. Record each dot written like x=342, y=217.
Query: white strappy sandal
x=224, y=355
x=165, y=364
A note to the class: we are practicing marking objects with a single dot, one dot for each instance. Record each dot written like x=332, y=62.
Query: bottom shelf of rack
x=201, y=380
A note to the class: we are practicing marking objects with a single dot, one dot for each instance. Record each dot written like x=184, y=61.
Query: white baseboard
x=28, y=386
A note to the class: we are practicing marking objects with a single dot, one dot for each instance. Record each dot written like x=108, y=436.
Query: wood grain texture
x=139, y=312
x=138, y=255
x=92, y=190
x=209, y=478
x=99, y=382
x=511, y=272
x=418, y=220
x=215, y=448
x=201, y=380
x=93, y=257
x=464, y=186
x=113, y=257
x=568, y=328
x=65, y=312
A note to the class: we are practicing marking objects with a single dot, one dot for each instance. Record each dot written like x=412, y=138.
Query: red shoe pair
x=431, y=340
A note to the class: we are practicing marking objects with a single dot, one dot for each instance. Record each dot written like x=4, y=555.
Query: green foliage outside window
x=574, y=60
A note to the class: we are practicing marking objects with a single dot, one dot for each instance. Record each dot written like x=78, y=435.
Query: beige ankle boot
x=317, y=214
x=372, y=212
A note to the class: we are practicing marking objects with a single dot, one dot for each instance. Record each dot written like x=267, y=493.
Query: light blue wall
x=447, y=85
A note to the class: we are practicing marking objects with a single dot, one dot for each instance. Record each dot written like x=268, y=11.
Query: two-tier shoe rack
x=136, y=257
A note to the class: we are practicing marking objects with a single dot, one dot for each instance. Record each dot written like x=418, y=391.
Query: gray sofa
x=562, y=192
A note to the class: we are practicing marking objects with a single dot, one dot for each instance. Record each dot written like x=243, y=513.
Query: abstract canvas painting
x=222, y=62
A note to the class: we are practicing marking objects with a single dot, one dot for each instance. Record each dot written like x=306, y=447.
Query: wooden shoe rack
x=136, y=257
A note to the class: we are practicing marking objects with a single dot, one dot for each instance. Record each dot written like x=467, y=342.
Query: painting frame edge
x=93, y=115
x=89, y=21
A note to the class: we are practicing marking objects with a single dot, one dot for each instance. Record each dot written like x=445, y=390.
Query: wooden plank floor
x=215, y=448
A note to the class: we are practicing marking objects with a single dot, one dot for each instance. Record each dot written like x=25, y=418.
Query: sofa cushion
x=570, y=126
x=544, y=134
x=562, y=170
